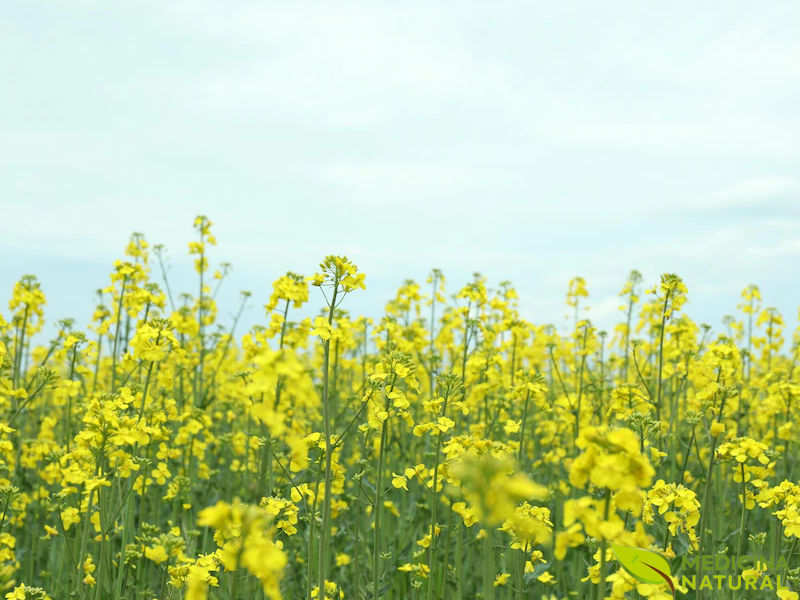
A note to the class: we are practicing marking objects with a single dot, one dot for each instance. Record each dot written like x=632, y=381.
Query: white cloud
x=530, y=142
x=758, y=190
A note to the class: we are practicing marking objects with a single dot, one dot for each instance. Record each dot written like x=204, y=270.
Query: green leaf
x=642, y=564
x=540, y=568
x=681, y=544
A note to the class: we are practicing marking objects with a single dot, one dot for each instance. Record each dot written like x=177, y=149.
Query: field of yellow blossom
x=447, y=450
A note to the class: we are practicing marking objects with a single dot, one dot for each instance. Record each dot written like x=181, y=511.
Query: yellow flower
x=50, y=531
x=501, y=579
x=444, y=424
x=153, y=341
x=491, y=488
x=529, y=525
x=399, y=481
x=215, y=516
x=570, y=538
x=610, y=459
x=161, y=473
x=197, y=583
x=69, y=516
x=157, y=554
x=88, y=569
x=26, y=592
x=342, y=559
x=546, y=577
x=18, y=593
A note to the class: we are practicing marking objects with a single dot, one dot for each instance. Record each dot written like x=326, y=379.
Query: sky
x=530, y=142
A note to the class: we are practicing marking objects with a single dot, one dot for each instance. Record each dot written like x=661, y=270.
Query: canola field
x=449, y=449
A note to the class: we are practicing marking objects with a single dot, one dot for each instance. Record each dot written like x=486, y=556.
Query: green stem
x=435, y=502
x=19, y=348
x=704, y=507
x=661, y=354
x=601, y=588
x=744, y=512
x=326, y=501
x=521, y=455
x=116, y=336
x=378, y=505
x=147, y=384
x=488, y=565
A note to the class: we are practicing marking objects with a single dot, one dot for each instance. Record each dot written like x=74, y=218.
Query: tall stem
x=20, y=348
x=116, y=336
x=580, y=384
x=741, y=520
x=326, y=501
x=629, y=316
x=704, y=506
x=376, y=576
x=432, y=335
x=750, y=340
x=601, y=588
x=434, y=502
x=522, y=429
x=661, y=354
x=488, y=565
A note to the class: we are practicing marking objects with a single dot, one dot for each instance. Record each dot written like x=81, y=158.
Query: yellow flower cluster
x=244, y=534
x=677, y=505
x=611, y=459
x=492, y=488
x=445, y=448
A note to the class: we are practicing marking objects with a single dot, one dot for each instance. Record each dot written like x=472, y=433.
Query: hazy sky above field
x=528, y=142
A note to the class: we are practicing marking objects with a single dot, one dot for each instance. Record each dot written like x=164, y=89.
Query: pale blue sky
x=528, y=141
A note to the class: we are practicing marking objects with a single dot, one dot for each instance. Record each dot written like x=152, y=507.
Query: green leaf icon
x=644, y=565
